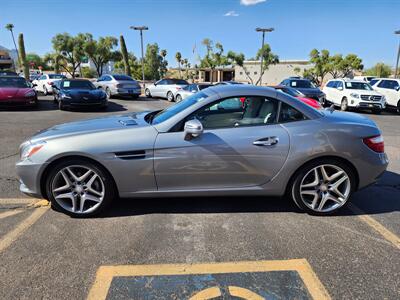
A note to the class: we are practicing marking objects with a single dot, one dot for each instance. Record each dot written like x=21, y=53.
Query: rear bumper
x=127, y=91
x=371, y=167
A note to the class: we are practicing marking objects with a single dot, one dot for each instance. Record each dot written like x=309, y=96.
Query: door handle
x=268, y=141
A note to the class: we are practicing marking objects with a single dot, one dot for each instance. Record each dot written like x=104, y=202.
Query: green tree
x=238, y=59
x=153, y=62
x=88, y=72
x=35, y=60
x=135, y=67
x=101, y=52
x=343, y=67
x=52, y=60
x=214, y=56
x=379, y=70
x=10, y=28
x=71, y=51
x=125, y=56
x=178, y=57
x=321, y=66
x=22, y=53
x=164, y=64
x=269, y=58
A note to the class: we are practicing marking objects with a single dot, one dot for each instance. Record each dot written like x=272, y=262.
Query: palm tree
x=10, y=27
x=178, y=57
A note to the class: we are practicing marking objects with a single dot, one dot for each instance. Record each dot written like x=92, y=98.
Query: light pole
x=398, y=56
x=263, y=30
x=141, y=28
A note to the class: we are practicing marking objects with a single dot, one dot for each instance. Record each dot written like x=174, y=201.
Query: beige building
x=275, y=73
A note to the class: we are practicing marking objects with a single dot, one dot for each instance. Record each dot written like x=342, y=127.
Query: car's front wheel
x=178, y=98
x=344, y=104
x=147, y=93
x=170, y=96
x=79, y=188
x=323, y=186
x=108, y=93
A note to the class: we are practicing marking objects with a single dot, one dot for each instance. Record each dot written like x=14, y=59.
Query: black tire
x=135, y=96
x=293, y=189
x=147, y=93
x=178, y=98
x=108, y=93
x=398, y=107
x=45, y=91
x=377, y=111
x=55, y=100
x=61, y=106
x=344, y=104
x=110, y=190
x=170, y=96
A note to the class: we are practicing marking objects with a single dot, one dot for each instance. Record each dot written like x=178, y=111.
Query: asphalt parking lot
x=195, y=248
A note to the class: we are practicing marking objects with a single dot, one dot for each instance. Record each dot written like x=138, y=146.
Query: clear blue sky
x=363, y=27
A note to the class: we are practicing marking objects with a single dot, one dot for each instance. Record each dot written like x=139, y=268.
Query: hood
x=366, y=92
x=309, y=91
x=107, y=123
x=7, y=93
x=82, y=93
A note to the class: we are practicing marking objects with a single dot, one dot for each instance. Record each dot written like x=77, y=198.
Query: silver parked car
x=226, y=140
x=190, y=90
x=165, y=88
x=118, y=85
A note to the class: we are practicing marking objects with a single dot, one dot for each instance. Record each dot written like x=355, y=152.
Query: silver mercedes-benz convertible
x=224, y=140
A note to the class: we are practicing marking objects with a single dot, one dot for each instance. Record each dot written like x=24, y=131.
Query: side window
x=373, y=81
x=43, y=77
x=330, y=84
x=238, y=112
x=339, y=84
x=290, y=114
x=107, y=78
x=100, y=79
x=162, y=82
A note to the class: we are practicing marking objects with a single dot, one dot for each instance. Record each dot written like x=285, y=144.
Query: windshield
x=78, y=84
x=178, y=107
x=358, y=86
x=204, y=86
x=301, y=84
x=122, y=77
x=56, y=76
x=14, y=82
x=291, y=92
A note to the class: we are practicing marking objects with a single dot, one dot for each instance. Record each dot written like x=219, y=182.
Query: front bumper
x=18, y=102
x=84, y=103
x=29, y=175
x=371, y=105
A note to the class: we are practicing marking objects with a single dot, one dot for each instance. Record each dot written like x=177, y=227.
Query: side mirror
x=398, y=88
x=340, y=88
x=34, y=84
x=193, y=128
x=99, y=87
x=194, y=91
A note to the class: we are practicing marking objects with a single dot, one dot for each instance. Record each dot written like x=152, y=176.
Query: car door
x=389, y=88
x=41, y=82
x=158, y=86
x=328, y=90
x=338, y=92
x=242, y=146
x=99, y=82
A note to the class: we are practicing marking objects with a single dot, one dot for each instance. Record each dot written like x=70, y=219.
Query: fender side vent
x=137, y=154
x=127, y=122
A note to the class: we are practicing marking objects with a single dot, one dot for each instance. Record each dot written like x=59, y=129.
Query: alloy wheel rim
x=325, y=188
x=169, y=96
x=78, y=189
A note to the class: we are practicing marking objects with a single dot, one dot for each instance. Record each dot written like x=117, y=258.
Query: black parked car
x=306, y=87
x=69, y=93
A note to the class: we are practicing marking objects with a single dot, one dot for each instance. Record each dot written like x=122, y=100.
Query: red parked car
x=295, y=93
x=16, y=91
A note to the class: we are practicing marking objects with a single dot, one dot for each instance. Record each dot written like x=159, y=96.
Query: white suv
x=390, y=88
x=348, y=93
x=45, y=81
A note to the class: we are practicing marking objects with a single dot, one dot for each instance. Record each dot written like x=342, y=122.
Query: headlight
x=30, y=149
x=65, y=96
x=30, y=94
x=355, y=95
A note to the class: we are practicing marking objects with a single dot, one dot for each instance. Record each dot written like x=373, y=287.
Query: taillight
x=375, y=143
x=118, y=85
x=49, y=83
x=178, y=88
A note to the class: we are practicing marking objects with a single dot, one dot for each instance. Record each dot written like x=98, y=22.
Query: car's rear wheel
x=398, y=107
x=45, y=91
x=178, y=98
x=323, y=186
x=61, y=105
x=344, y=105
x=170, y=96
x=147, y=93
x=79, y=188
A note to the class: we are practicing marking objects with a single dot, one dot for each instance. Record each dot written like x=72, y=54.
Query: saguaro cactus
x=125, y=56
x=21, y=46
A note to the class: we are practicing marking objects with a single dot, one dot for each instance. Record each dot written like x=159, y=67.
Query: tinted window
x=122, y=77
x=204, y=86
x=339, y=84
x=77, y=84
x=290, y=114
x=162, y=82
x=291, y=92
x=178, y=81
x=388, y=84
x=43, y=77
x=354, y=85
x=373, y=81
x=330, y=84
x=301, y=84
x=238, y=112
x=56, y=76
x=15, y=82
